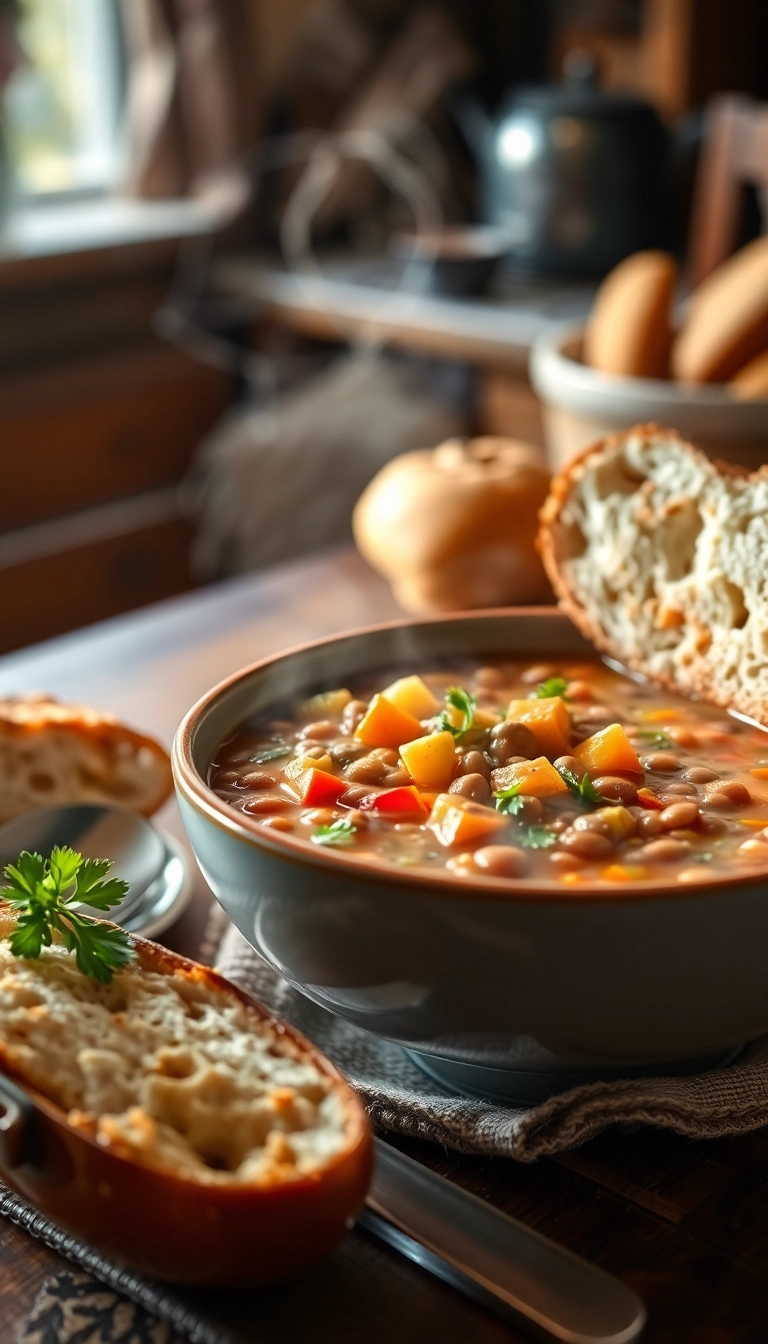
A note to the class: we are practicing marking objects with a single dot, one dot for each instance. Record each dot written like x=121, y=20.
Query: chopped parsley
x=271, y=754
x=509, y=800
x=535, y=837
x=553, y=686
x=583, y=788
x=466, y=703
x=654, y=738
x=339, y=832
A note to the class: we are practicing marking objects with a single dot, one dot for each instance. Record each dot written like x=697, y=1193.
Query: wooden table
x=685, y=1223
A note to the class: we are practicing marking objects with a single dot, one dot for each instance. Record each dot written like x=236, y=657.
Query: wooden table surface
x=683, y=1222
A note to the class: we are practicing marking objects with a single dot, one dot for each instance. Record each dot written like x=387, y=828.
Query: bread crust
x=722, y=661
x=59, y=753
x=163, y=1221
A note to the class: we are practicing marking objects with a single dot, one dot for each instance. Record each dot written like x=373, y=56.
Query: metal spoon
x=155, y=869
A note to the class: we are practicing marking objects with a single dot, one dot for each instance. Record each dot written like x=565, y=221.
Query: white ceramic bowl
x=582, y=405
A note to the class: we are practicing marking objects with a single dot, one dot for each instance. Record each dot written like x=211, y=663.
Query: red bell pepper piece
x=320, y=789
x=649, y=800
x=405, y=800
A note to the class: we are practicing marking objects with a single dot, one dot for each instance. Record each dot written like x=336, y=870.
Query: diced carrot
x=572, y=879
x=760, y=772
x=647, y=798
x=459, y=821
x=683, y=737
x=406, y=799
x=753, y=821
x=608, y=752
x=384, y=725
x=319, y=789
x=431, y=760
x=413, y=696
x=548, y=720
x=536, y=778
x=660, y=715
x=624, y=872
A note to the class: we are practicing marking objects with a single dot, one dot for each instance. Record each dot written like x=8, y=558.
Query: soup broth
x=558, y=774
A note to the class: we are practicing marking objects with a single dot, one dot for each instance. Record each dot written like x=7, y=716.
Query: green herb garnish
x=551, y=687
x=272, y=754
x=45, y=892
x=654, y=738
x=535, y=837
x=583, y=788
x=509, y=800
x=339, y=832
x=704, y=856
x=466, y=703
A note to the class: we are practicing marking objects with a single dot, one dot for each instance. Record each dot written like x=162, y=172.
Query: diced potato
x=619, y=821
x=548, y=720
x=298, y=767
x=536, y=778
x=384, y=725
x=326, y=705
x=608, y=753
x=313, y=781
x=456, y=821
x=431, y=760
x=412, y=695
x=485, y=718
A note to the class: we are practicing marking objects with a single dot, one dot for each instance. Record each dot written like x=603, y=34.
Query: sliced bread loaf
x=660, y=557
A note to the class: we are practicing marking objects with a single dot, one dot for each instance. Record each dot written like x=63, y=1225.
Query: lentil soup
x=559, y=774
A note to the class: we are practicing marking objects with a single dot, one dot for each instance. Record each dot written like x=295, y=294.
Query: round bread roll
x=751, y=382
x=629, y=331
x=727, y=320
x=454, y=526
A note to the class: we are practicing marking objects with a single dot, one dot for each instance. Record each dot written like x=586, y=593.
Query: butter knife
x=495, y=1259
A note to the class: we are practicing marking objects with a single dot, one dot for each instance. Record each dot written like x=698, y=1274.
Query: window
x=63, y=105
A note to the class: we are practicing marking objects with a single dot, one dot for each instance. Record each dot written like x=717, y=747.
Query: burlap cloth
x=102, y=1301
x=401, y=1098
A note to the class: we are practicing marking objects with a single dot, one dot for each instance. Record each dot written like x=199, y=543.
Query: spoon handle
x=495, y=1259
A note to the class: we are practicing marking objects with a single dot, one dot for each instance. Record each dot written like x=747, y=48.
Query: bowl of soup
x=474, y=838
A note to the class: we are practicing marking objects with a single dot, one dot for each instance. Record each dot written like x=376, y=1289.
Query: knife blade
x=495, y=1259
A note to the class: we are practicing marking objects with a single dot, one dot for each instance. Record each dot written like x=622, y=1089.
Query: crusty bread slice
x=169, y=1067
x=52, y=753
x=660, y=557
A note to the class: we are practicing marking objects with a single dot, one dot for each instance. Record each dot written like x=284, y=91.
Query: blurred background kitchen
x=251, y=251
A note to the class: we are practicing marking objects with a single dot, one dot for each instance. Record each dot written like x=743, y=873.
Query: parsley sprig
x=509, y=800
x=583, y=788
x=546, y=690
x=466, y=703
x=45, y=892
x=340, y=832
x=535, y=837
x=653, y=737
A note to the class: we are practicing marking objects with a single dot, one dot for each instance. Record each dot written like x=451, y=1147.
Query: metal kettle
x=575, y=175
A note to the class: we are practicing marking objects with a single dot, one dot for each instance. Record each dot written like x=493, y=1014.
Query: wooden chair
x=734, y=153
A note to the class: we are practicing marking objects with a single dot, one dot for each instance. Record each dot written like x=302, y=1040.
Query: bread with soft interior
x=726, y=324
x=56, y=753
x=751, y=382
x=660, y=558
x=629, y=332
x=168, y=1066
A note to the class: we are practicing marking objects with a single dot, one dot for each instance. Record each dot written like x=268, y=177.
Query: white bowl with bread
x=704, y=373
